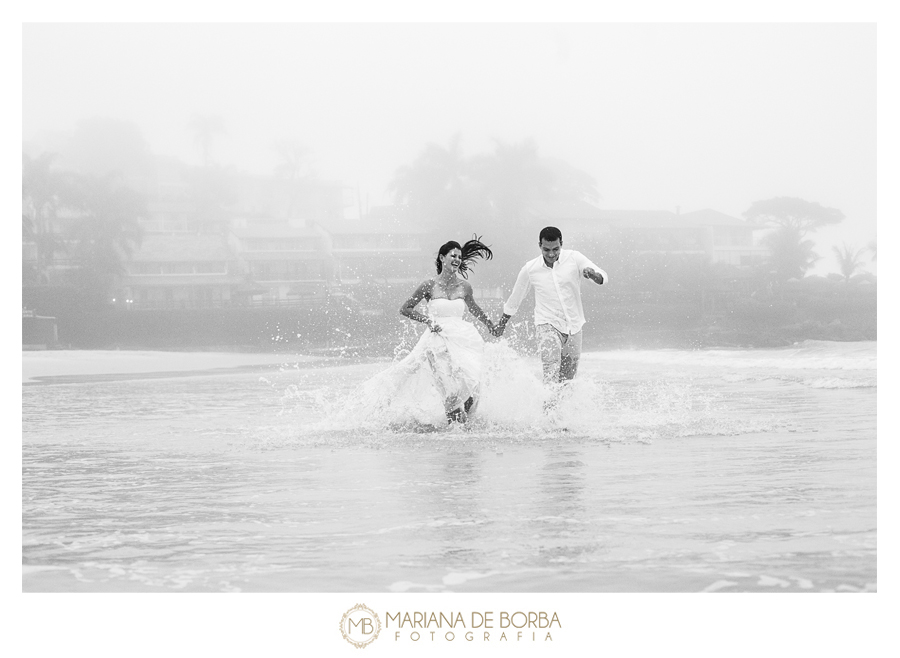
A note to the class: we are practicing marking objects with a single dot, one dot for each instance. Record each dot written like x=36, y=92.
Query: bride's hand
x=436, y=328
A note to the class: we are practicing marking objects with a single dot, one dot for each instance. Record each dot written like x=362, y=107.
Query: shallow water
x=663, y=470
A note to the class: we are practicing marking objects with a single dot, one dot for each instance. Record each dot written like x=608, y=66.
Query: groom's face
x=550, y=251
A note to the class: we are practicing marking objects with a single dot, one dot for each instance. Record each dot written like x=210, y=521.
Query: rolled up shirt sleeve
x=523, y=285
x=584, y=262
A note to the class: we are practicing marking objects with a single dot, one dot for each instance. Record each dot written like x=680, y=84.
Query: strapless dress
x=440, y=375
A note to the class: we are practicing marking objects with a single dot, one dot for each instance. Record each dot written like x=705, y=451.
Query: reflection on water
x=661, y=477
x=562, y=482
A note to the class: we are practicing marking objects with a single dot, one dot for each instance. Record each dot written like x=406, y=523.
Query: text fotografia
x=481, y=626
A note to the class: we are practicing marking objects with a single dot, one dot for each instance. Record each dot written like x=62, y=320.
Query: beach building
x=213, y=237
x=370, y=250
x=720, y=238
x=181, y=270
x=282, y=263
x=371, y=255
x=707, y=234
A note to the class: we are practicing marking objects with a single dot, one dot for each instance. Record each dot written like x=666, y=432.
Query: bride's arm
x=475, y=309
x=409, y=306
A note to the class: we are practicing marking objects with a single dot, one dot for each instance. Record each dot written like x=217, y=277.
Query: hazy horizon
x=661, y=115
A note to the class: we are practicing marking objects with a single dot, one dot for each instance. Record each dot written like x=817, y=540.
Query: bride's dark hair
x=472, y=249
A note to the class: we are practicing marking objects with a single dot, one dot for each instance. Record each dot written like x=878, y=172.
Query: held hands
x=497, y=330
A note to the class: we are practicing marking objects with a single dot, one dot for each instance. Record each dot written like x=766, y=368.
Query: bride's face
x=451, y=261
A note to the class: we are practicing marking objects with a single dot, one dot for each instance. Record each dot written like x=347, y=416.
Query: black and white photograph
x=421, y=308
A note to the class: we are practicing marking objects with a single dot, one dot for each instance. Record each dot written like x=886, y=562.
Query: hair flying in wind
x=472, y=249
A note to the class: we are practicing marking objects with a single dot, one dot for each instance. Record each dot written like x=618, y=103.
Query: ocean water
x=657, y=471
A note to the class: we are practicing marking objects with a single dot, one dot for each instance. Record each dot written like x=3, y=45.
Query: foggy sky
x=662, y=115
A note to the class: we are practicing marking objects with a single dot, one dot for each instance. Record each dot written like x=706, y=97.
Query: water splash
x=514, y=408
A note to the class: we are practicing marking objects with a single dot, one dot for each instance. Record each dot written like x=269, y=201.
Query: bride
x=444, y=367
x=453, y=348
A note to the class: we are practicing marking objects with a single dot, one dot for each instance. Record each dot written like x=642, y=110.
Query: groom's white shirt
x=557, y=290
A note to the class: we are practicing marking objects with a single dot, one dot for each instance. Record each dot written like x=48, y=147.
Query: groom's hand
x=593, y=275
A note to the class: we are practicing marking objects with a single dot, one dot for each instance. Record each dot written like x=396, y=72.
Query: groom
x=555, y=276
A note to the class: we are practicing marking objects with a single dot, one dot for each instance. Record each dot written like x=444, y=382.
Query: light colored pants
x=559, y=353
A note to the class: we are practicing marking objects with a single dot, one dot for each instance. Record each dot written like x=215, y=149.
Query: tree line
x=515, y=190
x=89, y=222
x=82, y=212
x=87, y=215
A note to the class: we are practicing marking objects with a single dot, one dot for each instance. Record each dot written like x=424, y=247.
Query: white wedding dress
x=440, y=376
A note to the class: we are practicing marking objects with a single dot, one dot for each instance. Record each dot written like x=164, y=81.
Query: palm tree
x=517, y=181
x=106, y=233
x=294, y=168
x=570, y=183
x=45, y=191
x=849, y=260
x=294, y=163
x=205, y=128
x=439, y=188
x=872, y=246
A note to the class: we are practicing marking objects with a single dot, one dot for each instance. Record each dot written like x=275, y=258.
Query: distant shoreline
x=595, y=339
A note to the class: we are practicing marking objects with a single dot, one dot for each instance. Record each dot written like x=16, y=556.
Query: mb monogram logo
x=360, y=626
